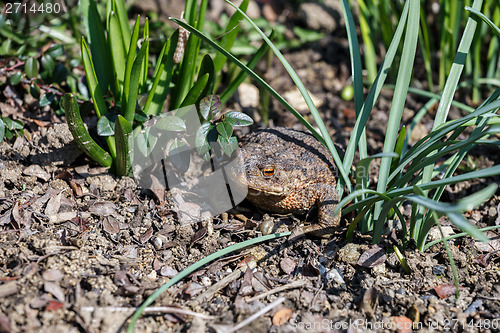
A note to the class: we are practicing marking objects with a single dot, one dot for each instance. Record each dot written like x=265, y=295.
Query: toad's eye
x=268, y=171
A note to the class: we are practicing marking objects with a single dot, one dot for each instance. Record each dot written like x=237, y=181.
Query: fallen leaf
x=403, y=324
x=282, y=316
x=6, y=217
x=54, y=305
x=168, y=271
x=288, y=265
x=372, y=257
x=110, y=225
x=52, y=275
x=103, y=208
x=53, y=205
x=4, y=323
x=21, y=216
x=37, y=171
x=9, y=288
x=55, y=290
x=146, y=236
x=445, y=290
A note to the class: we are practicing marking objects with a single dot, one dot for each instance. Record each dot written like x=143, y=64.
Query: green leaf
x=106, y=126
x=228, y=145
x=2, y=130
x=171, y=123
x=130, y=62
x=35, y=90
x=207, y=67
x=210, y=106
x=306, y=35
x=16, y=78
x=46, y=99
x=94, y=84
x=135, y=77
x=119, y=7
x=80, y=133
x=48, y=63
x=55, y=51
x=179, y=156
x=236, y=118
x=31, y=67
x=124, y=147
x=12, y=125
x=140, y=116
x=161, y=78
x=201, y=140
x=196, y=91
x=225, y=130
x=98, y=44
x=117, y=49
x=145, y=141
x=230, y=33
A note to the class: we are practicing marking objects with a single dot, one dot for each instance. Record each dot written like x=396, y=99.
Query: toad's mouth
x=269, y=192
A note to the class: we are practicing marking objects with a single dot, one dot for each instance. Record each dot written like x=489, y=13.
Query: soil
x=80, y=248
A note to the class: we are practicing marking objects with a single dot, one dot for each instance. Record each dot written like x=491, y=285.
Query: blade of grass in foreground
x=357, y=72
x=372, y=96
x=399, y=99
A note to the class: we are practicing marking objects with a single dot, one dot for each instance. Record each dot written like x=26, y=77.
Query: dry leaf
x=404, y=324
x=54, y=305
x=445, y=290
x=55, y=290
x=52, y=275
x=282, y=316
x=36, y=171
x=288, y=265
x=372, y=257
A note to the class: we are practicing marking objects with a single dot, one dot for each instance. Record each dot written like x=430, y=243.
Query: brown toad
x=289, y=171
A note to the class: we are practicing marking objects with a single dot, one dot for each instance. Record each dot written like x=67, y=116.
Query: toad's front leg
x=327, y=200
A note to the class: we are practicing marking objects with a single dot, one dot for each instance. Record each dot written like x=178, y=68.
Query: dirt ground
x=80, y=248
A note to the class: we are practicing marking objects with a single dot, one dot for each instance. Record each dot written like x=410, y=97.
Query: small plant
x=116, y=65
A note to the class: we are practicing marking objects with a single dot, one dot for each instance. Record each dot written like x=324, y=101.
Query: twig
x=151, y=309
x=208, y=294
x=291, y=285
x=256, y=315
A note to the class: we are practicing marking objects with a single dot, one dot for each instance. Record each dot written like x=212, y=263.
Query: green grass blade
x=145, y=63
x=117, y=50
x=195, y=93
x=194, y=267
x=119, y=8
x=130, y=62
x=452, y=81
x=230, y=33
x=80, y=133
x=98, y=44
x=478, y=16
x=233, y=86
x=92, y=81
x=356, y=70
x=399, y=99
x=161, y=80
x=374, y=92
x=124, y=145
x=135, y=77
x=370, y=55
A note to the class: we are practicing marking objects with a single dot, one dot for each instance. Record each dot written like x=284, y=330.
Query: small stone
x=438, y=269
x=248, y=95
x=336, y=276
x=206, y=281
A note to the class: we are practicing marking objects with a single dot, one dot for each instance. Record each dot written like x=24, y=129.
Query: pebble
x=438, y=269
